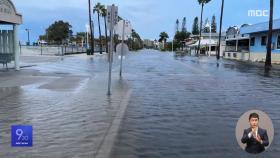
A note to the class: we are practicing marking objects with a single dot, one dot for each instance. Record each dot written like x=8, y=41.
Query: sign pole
x=122, y=49
x=112, y=10
x=110, y=53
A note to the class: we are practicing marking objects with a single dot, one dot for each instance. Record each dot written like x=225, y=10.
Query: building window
x=278, y=42
x=231, y=45
x=252, y=41
x=243, y=45
x=264, y=40
x=234, y=55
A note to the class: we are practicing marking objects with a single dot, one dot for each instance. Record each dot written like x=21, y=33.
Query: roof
x=260, y=27
x=8, y=13
x=205, y=42
x=237, y=38
x=208, y=34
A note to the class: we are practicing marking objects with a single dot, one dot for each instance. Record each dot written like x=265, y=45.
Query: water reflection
x=176, y=110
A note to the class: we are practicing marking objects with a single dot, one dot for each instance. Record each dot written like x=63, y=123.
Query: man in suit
x=255, y=138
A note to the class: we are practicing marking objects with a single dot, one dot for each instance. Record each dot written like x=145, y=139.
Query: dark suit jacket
x=253, y=146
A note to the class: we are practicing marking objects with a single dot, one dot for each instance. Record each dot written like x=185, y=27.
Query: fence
x=51, y=50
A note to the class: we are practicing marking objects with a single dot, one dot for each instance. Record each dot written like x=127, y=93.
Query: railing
x=243, y=49
x=239, y=49
x=230, y=48
x=56, y=50
x=51, y=50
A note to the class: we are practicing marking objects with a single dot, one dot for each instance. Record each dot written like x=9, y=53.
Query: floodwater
x=180, y=106
x=185, y=106
x=65, y=101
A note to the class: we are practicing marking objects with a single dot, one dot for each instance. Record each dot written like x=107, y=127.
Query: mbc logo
x=258, y=13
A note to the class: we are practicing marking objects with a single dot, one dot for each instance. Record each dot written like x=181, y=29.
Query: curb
x=107, y=144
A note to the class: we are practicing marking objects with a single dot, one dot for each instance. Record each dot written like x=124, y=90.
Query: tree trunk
x=200, y=29
x=100, y=40
x=91, y=31
x=269, y=40
x=106, y=35
x=220, y=31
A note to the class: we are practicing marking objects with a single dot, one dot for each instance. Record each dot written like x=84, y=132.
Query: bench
x=6, y=58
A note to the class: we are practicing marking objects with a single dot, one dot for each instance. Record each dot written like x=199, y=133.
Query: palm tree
x=97, y=9
x=269, y=41
x=202, y=3
x=177, y=25
x=220, y=31
x=104, y=15
x=91, y=29
x=163, y=38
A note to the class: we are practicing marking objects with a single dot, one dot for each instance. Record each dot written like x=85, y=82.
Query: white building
x=208, y=44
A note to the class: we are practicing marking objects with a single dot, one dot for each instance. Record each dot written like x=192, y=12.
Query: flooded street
x=188, y=106
x=139, y=79
x=180, y=106
x=66, y=103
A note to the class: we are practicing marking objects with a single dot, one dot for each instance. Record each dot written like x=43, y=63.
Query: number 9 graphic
x=19, y=133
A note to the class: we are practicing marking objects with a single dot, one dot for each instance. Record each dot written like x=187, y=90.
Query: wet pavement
x=179, y=106
x=188, y=107
x=65, y=101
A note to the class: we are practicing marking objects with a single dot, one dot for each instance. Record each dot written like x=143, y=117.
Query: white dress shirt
x=251, y=133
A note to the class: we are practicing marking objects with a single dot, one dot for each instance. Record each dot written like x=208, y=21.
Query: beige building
x=148, y=43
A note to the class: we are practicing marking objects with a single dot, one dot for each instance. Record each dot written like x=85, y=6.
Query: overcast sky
x=148, y=17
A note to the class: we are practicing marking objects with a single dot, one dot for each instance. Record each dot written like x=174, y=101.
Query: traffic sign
x=112, y=15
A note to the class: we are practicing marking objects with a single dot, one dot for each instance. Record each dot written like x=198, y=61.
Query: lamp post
x=210, y=36
x=28, y=37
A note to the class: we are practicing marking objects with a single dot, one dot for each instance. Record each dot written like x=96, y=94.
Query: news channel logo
x=21, y=136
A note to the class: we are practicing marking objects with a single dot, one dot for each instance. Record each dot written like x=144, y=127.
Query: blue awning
x=260, y=27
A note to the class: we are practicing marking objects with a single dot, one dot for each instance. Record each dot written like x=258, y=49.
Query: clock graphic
x=21, y=136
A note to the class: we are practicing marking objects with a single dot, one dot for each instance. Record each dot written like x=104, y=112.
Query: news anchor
x=255, y=138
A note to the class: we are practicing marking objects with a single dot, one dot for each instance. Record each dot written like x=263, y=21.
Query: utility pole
x=220, y=33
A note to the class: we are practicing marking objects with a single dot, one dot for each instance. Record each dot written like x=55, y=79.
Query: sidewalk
x=65, y=101
x=30, y=60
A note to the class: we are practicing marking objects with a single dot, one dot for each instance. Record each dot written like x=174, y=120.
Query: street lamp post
x=28, y=37
x=210, y=36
